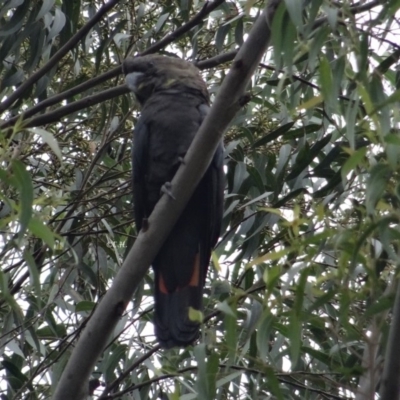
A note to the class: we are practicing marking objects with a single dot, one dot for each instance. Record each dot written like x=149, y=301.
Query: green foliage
x=305, y=269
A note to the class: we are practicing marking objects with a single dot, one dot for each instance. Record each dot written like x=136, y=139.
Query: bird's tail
x=173, y=325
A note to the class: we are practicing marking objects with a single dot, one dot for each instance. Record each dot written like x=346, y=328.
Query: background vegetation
x=299, y=298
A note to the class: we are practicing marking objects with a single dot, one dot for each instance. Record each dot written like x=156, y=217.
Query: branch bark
x=57, y=114
x=370, y=363
x=390, y=383
x=372, y=360
x=95, y=335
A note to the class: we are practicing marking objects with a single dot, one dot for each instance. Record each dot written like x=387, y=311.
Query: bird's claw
x=166, y=188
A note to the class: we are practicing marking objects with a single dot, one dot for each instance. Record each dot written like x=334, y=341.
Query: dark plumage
x=174, y=101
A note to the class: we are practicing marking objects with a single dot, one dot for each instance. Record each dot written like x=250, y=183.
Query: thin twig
x=390, y=383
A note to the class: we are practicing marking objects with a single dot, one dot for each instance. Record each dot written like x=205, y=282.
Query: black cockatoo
x=174, y=100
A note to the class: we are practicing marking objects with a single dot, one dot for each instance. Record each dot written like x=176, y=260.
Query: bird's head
x=154, y=73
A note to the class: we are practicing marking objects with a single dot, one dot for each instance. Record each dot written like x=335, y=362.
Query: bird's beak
x=132, y=79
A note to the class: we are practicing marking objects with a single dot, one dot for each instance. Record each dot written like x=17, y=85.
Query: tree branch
x=127, y=372
x=95, y=335
x=217, y=60
x=208, y=7
x=254, y=371
x=368, y=381
x=390, y=383
x=371, y=359
x=56, y=115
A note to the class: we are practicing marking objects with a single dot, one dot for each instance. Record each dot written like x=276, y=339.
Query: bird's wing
x=182, y=262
